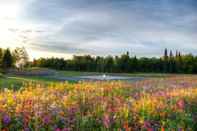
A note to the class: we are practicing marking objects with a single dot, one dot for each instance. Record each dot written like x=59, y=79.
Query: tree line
x=168, y=63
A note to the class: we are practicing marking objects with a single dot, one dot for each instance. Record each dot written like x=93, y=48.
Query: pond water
x=100, y=78
x=107, y=77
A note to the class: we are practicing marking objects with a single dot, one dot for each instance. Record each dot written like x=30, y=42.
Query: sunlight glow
x=13, y=30
x=37, y=54
x=9, y=13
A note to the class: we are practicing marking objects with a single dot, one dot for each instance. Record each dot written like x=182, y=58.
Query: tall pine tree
x=165, y=68
x=7, y=60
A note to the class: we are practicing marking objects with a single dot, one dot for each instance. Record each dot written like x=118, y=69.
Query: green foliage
x=125, y=63
x=10, y=83
x=20, y=56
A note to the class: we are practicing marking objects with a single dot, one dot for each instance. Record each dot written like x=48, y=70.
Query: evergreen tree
x=172, y=67
x=1, y=56
x=166, y=54
x=7, y=60
x=171, y=54
x=109, y=64
x=134, y=64
x=165, y=61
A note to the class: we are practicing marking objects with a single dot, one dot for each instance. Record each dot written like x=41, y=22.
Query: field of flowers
x=165, y=104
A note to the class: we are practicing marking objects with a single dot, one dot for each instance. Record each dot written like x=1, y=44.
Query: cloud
x=105, y=27
x=57, y=47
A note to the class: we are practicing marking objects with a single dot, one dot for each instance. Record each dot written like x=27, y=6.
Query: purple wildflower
x=6, y=119
x=26, y=129
x=46, y=119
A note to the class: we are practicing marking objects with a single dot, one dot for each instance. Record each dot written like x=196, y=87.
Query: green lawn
x=10, y=83
x=15, y=82
x=36, y=78
x=77, y=73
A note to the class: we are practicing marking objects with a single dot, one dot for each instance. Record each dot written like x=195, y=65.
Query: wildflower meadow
x=164, y=104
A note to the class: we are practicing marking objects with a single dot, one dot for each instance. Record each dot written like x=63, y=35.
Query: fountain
x=104, y=76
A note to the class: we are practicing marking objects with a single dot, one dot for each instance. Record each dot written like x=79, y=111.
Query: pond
x=101, y=78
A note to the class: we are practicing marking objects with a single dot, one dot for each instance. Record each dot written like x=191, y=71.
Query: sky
x=62, y=28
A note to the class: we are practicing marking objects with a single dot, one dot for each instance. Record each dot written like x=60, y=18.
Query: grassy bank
x=15, y=82
x=10, y=83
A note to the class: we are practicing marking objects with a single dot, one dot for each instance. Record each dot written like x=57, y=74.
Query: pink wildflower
x=106, y=120
x=181, y=104
x=58, y=129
